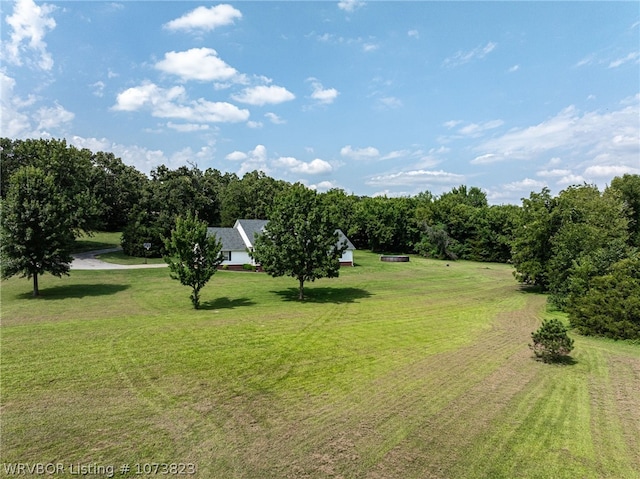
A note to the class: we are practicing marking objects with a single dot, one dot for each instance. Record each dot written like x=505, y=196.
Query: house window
x=226, y=255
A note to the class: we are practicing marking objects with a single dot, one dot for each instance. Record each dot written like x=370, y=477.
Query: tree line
x=580, y=246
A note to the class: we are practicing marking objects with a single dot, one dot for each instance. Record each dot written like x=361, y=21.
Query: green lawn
x=407, y=370
x=97, y=240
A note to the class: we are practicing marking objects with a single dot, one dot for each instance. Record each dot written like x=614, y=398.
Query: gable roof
x=343, y=239
x=233, y=238
x=230, y=238
x=251, y=228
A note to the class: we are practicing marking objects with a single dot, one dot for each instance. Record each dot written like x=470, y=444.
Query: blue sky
x=373, y=97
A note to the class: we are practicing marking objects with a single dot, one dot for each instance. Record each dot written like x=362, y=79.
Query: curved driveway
x=88, y=260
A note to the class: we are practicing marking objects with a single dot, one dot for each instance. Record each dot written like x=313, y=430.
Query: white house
x=238, y=241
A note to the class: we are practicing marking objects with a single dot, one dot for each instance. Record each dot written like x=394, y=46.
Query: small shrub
x=225, y=267
x=248, y=267
x=551, y=342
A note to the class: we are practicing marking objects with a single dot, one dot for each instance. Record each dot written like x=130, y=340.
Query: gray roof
x=232, y=240
x=343, y=239
x=252, y=227
x=230, y=237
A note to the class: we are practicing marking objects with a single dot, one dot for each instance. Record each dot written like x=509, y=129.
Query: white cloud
x=98, y=88
x=571, y=179
x=462, y=57
x=202, y=64
x=255, y=159
x=29, y=24
x=20, y=117
x=389, y=102
x=416, y=178
x=205, y=19
x=598, y=138
x=236, y=156
x=413, y=33
x=633, y=57
x=604, y=171
x=367, y=153
x=452, y=123
x=476, y=129
x=322, y=95
x=173, y=103
x=14, y=122
x=255, y=124
x=52, y=118
x=187, y=127
x=350, y=5
x=262, y=95
x=323, y=186
x=370, y=47
x=513, y=192
x=143, y=159
x=275, y=119
x=556, y=172
x=514, y=68
x=314, y=167
x=527, y=184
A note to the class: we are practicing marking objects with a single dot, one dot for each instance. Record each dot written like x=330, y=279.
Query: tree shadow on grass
x=560, y=361
x=226, y=303
x=325, y=295
x=75, y=291
x=531, y=289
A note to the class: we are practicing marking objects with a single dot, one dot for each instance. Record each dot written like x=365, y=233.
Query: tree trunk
x=36, y=291
x=301, y=289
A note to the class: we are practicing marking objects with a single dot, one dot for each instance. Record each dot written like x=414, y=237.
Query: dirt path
x=88, y=261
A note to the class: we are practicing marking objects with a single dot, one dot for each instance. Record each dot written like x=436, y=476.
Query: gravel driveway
x=88, y=260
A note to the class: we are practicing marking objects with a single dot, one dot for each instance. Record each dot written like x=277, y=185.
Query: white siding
x=239, y=257
x=347, y=256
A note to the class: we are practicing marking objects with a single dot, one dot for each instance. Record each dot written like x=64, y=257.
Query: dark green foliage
x=71, y=170
x=250, y=197
x=117, y=187
x=436, y=243
x=609, y=304
x=557, y=234
x=299, y=241
x=37, y=232
x=192, y=256
x=586, y=222
x=532, y=244
x=385, y=224
x=550, y=341
x=627, y=188
x=463, y=221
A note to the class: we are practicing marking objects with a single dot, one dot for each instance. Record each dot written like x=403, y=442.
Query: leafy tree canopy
x=192, y=256
x=37, y=232
x=299, y=241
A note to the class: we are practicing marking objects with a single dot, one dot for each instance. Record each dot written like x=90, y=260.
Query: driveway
x=88, y=260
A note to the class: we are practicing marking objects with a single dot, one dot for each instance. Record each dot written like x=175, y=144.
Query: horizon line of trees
x=580, y=246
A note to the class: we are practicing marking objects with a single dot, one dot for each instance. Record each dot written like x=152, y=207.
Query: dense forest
x=580, y=246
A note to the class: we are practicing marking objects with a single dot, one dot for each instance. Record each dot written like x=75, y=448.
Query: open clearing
x=393, y=370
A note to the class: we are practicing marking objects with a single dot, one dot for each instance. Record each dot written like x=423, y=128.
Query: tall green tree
x=299, y=241
x=586, y=221
x=192, y=256
x=37, y=233
x=117, y=187
x=531, y=249
x=71, y=169
x=611, y=305
x=628, y=189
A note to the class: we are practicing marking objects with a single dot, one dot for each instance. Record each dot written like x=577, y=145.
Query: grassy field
x=97, y=240
x=408, y=370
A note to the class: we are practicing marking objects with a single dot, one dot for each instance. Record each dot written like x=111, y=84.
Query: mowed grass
x=391, y=371
x=97, y=240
